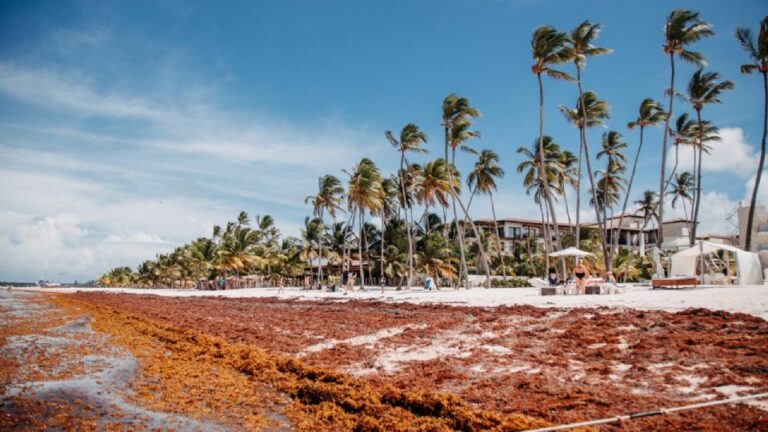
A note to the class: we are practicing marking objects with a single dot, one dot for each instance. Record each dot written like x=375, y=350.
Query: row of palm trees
x=403, y=245
x=551, y=48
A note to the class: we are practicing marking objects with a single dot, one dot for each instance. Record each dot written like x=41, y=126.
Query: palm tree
x=648, y=206
x=548, y=47
x=683, y=27
x=436, y=258
x=532, y=180
x=682, y=135
x=703, y=89
x=579, y=47
x=483, y=179
x=613, y=150
x=681, y=190
x=328, y=199
x=589, y=112
x=650, y=113
x=758, y=55
x=364, y=193
x=411, y=141
x=434, y=187
x=311, y=236
x=457, y=115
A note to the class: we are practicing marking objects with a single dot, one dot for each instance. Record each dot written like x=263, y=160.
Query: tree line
x=434, y=239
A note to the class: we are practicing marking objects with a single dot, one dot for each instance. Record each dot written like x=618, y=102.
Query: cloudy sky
x=128, y=128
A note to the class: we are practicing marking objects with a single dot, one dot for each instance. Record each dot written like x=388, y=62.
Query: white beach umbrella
x=571, y=251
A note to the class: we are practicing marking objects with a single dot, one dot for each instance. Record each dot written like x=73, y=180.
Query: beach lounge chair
x=674, y=282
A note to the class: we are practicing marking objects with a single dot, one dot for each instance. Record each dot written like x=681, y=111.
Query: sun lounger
x=675, y=282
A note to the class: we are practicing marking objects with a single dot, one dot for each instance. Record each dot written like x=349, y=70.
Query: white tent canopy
x=571, y=251
x=747, y=263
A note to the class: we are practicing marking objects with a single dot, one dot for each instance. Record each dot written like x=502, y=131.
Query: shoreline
x=750, y=299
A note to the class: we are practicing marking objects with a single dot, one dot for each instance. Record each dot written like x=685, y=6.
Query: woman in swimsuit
x=582, y=274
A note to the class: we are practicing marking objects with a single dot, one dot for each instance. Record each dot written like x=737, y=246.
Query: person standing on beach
x=581, y=274
x=382, y=282
x=280, y=286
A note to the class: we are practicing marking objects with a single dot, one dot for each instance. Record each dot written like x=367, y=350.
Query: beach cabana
x=748, y=268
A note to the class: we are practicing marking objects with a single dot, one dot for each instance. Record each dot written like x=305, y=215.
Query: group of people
x=579, y=277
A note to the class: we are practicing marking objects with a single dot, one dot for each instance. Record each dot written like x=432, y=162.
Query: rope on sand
x=661, y=411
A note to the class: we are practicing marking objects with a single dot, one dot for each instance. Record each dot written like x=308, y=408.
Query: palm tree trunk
x=483, y=256
x=578, y=195
x=583, y=140
x=700, y=151
x=408, y=224
x=631, y=180
x=381, y=263
x=360, y=249
x=545, y=234
x=426, y=219
x=753, y=201
x=498, y=241
x=459, y=227
x=567, y=210
x=320, y=251
x=662, y=186
x=543, y=174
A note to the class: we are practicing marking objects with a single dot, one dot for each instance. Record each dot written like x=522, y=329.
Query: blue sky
x=127, y=128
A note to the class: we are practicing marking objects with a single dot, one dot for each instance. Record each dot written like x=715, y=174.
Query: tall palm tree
x=703, y=89
x=548, y=47
x=590, y=111
x=434, y=187
x=483, y=179
x=579, y=47
x=650, y=113
x=758, y=55
x=682, y=188
x=411, y=141
x=683, y=27
x=456, y=122
x=364, y=193
x=328, y=198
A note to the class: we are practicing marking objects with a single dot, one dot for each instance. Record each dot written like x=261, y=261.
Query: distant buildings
x=759, y=231
x=635, y=232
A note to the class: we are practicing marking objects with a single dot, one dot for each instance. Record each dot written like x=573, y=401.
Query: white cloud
x=731, y=155
x=54, y=91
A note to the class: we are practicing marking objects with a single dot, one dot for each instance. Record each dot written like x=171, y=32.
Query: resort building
x=635, y=232
x=759, y=231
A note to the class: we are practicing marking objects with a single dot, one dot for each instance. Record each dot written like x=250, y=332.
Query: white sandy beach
x=752, y=299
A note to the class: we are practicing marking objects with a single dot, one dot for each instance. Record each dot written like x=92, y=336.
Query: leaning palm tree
x=482, y=179
x=328, y=199
x=682, y=188
x=650, y=113
x=589, y=112
x=411, y=141
x=364, y=193
x=758, y=55
x=703, y=89
x=456, y=122
x=548, y=47
x=683, y=27
x=579, y=47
